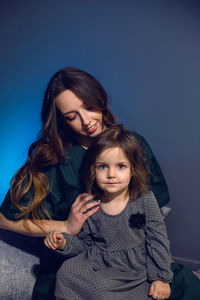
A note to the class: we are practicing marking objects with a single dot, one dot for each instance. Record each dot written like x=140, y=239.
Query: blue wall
x=145, y=53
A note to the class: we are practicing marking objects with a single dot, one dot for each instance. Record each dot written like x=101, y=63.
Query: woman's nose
x=85, y=117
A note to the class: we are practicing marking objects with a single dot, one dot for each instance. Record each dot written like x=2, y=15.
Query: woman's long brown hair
x=53, y=140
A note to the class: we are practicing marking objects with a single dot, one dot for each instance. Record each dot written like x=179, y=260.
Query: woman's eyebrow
x=68, y=112
x=71, y=111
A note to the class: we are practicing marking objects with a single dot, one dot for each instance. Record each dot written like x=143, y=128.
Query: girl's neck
x=114, y=204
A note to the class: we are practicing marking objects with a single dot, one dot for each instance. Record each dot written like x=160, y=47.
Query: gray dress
x=116, y=256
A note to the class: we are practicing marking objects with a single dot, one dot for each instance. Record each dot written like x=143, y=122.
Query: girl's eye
x=101, y=167
x=121, y=166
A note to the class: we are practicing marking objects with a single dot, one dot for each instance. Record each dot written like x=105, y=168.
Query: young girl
x=122, y=251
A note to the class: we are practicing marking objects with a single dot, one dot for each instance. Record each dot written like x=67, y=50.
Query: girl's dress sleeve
x=158, y=246
x=76, y=244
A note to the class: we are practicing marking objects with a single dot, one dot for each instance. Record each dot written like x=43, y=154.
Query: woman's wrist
x=66, y=227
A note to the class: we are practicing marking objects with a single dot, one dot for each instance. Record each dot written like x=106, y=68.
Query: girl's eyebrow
x=119, y=162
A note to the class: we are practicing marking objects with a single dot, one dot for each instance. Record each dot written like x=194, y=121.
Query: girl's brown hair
x=116, y=136
x=54, y=138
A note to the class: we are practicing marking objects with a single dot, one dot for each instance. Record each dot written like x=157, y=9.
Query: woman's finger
x=79, y=198
x=89, y=205
x=90, y=212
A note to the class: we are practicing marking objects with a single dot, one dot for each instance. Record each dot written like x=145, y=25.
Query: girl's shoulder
x=144, y=201
x=148, y=196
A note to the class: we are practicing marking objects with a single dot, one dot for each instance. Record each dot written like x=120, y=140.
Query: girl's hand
x=159, y=290
x=55, y=240
x=80, y=211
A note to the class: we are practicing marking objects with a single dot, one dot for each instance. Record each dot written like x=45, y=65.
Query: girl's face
x=84, y=121
x=113, y=171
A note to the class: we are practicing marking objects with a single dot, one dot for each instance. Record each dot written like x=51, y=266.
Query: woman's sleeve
x=58, y=201
x=158, y=246
x=157, y=181
x=9, y=210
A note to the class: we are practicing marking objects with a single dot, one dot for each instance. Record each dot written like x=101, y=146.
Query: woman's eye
x=69, y=119
x=121, y=166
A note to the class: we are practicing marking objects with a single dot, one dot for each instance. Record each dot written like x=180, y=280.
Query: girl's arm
x=78, y=215
x=158, y=246
x=67, y=244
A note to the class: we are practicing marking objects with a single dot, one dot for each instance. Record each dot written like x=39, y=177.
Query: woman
x=42, y=192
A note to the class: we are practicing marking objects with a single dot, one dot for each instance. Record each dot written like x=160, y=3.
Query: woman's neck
x=84, y=142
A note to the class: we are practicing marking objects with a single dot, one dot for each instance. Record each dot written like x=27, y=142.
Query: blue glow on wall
x=145, y=53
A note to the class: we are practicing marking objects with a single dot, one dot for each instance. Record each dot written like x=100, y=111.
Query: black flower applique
x=137, y=220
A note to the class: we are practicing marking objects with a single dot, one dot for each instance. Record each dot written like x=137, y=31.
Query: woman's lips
x=92, y=128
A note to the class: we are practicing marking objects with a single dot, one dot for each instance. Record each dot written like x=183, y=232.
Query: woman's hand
x=55, y=240
x=159, y=290
x=81, y=210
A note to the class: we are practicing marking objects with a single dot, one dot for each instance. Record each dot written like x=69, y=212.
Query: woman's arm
x=33, y=228
x=78, y=215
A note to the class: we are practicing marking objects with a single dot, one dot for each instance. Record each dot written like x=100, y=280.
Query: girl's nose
x=111, y=173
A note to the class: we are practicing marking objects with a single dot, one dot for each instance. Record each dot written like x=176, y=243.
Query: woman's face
x=84, y=121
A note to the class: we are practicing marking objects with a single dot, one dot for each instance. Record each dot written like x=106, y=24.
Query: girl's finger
x=51, y=237
x=151, y=290
x=45, y=242
x=48, y=243
x=55, y=236
x=58, y=237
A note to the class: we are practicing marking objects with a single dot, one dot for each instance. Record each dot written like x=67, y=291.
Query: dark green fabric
x=42, y=290
x=185, y=285
x=158, y=184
